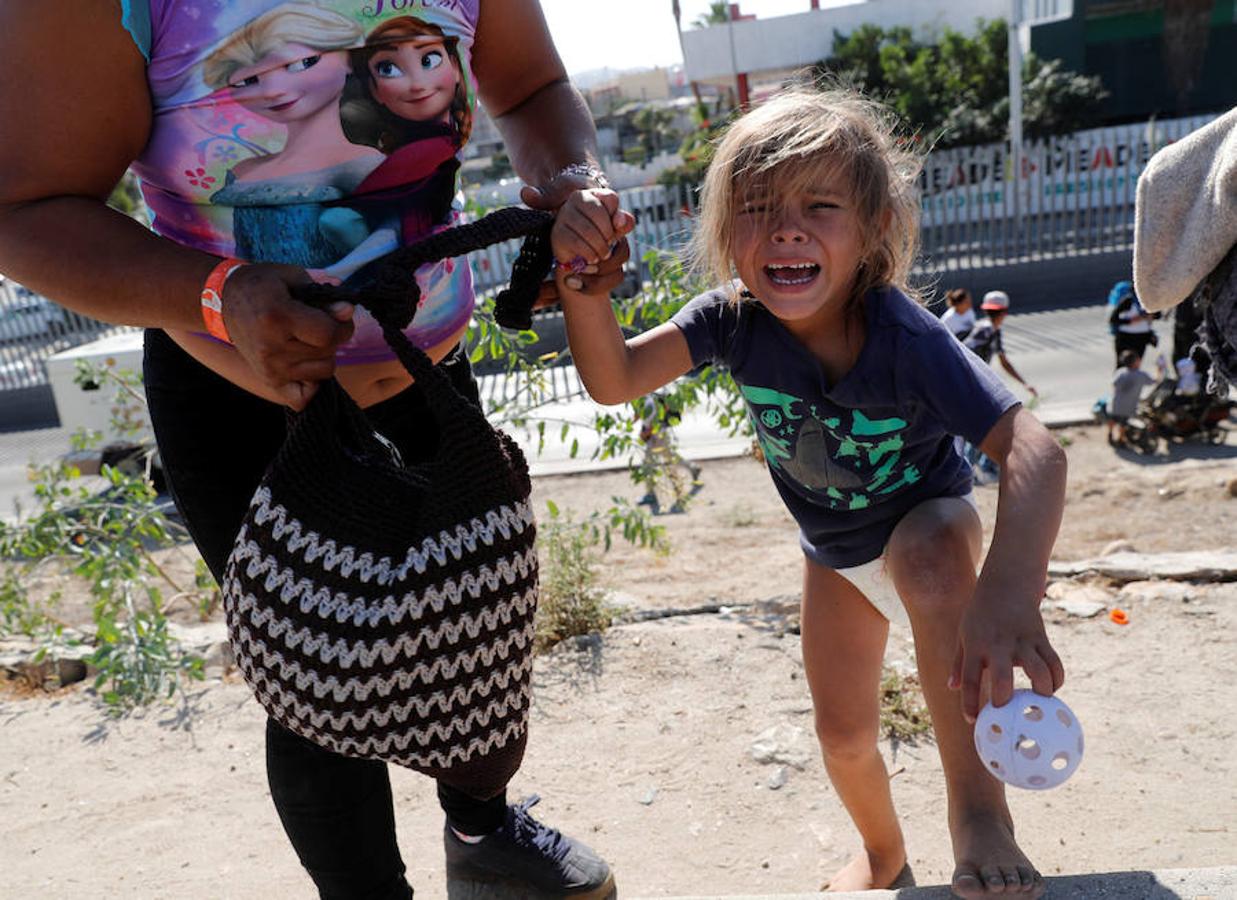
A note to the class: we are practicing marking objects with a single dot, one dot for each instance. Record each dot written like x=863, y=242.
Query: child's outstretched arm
x=1003, y=628
x=613, y=369
x=1013, y=373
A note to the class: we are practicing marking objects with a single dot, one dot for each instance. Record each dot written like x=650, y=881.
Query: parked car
x=29, y=315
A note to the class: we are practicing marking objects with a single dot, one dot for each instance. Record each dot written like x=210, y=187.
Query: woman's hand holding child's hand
x=588, y=241
x=996, y=635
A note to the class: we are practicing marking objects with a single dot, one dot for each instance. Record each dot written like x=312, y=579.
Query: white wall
x=805, y=38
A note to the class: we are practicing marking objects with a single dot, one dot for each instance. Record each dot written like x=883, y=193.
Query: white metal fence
x=1074, y=196
x=33, y=328
x=663, y=221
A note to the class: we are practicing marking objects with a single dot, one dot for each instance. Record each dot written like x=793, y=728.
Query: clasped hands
x=292, y=347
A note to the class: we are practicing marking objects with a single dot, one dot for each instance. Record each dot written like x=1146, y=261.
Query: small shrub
x=904, y=715
x=741, y=515
x=572, y=602
x=106, y=537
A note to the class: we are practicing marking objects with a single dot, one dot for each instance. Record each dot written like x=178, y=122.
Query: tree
x=718, y=14
x=127, y=198
x=955, y=91
x=653, y=123
x=1055, y=100
x=697, y=147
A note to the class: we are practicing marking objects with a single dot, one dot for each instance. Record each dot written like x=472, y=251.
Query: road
x=1065, y=353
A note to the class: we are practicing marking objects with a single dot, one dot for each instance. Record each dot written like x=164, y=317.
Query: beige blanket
x=1186, y=213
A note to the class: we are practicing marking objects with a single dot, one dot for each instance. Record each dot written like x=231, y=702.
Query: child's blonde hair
x=288, y=23
x=795, y=139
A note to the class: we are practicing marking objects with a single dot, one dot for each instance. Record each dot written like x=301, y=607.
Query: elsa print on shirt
x=289, y=66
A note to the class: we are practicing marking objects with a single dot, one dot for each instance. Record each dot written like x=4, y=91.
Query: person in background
x=960, y=317
x=1130, y=322
x=1127, y=387
x=1190, y=358
x=985, y=338
x=1189, y=383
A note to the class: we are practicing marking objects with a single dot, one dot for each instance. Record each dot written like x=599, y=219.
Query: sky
x=634, y=34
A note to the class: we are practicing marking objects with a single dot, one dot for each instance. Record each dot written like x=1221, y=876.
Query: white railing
x=1041, y=12
x=33, y=328
x=1075, y=196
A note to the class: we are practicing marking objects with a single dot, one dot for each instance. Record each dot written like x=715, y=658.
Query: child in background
x=985, y=338
x=1127, y=387
x=1188, y=382
x=960, y=317
x=855, y=391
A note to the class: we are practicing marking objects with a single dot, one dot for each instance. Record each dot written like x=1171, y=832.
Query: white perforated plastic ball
x=1031, y=742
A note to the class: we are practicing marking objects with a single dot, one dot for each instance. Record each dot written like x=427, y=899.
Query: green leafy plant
x=953, y=90
x=572, y=601
x=534, y=407
x=107, y=536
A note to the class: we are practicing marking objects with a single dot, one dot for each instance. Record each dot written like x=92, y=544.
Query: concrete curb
x=1219, y=883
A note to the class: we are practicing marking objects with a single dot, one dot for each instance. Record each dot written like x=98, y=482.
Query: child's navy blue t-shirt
x=851, y=459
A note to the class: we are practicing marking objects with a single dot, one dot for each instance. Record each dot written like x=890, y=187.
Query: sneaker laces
x=526, y=831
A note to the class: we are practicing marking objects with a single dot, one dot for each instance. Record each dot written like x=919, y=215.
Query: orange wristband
x=212, y=299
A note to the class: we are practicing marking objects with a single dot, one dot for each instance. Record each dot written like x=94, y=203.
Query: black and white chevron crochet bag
x=386, y=611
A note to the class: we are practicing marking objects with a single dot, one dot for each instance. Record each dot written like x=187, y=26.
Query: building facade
x=769, y=49
x=1154, y=61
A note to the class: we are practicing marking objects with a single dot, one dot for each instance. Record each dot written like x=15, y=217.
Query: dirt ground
x=641, y=741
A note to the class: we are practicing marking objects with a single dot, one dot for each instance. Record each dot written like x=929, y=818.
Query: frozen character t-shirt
x=317, y=133
x=850, y=459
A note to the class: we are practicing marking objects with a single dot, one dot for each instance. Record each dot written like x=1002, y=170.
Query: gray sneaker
x=526, y=854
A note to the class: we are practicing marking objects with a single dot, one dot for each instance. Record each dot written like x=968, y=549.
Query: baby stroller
x=1164, y=413
x=1177, y=417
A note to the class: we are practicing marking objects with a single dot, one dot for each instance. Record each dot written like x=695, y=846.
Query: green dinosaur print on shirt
x=770, y=397
x=867, y=427
x=845, y=467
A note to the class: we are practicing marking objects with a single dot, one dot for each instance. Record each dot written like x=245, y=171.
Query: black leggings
x=1138, y=342
x=215, y=441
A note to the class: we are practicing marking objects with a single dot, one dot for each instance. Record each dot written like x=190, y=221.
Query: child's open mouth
x=792, y=274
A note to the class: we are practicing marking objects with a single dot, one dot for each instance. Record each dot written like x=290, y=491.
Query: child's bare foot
x=989, y=861
x=868, y=872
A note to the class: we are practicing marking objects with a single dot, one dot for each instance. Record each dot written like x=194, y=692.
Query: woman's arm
x=1003, y=627
x=76, y=111
x=544, y=120
x=522, y=82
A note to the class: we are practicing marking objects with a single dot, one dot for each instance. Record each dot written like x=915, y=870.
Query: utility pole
x=1015, y=105
x=1041, y=12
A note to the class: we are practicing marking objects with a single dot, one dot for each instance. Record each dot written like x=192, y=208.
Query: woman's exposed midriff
x=367, y=383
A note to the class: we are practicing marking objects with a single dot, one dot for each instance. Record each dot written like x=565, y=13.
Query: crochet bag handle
x=391, y=294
